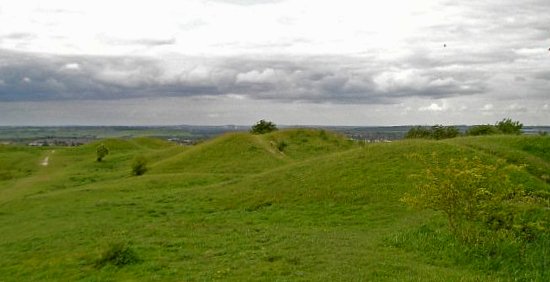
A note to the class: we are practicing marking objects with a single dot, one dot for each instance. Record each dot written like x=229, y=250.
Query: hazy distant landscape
x=22, y=134
x=78, y=135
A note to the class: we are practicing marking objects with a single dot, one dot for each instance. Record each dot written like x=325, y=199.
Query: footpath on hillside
x=46, y=160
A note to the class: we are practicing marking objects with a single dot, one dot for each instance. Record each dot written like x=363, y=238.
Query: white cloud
x=433, y=107
x=487, y=107
x=72, y=66
x=398, y=79
x=199, y=73
x=236, y=96
x=255, y=76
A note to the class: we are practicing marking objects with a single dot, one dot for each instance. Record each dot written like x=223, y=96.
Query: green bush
x=476, y=197
x=418, y=132
x=436, y=132
x=262, y=127
x=139, y=166
x=444, y=132
x=507, y=126
x=102, y=151
x=485, y=129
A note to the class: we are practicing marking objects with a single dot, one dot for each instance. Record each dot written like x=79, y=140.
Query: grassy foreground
x=296, y=205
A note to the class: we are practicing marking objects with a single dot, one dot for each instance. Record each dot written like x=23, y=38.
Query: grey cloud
x=515, y=108
x=48, y=79
x=336, y=79
x=485, y=31
x=543, y=75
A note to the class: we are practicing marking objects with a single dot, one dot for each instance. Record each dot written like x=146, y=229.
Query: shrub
x=443, y=132
x=102, y=151
x=507, y=126
x=139, y=166
x=262, y=127
x=436, y=132
x=476, y=197
x=418, y=132
x=485, y=129
x=118, y=254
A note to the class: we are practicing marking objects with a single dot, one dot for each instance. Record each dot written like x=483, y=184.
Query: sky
x=294, y=62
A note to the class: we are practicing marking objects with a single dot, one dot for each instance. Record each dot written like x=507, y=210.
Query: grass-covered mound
x=244, y=153
x=244, y=207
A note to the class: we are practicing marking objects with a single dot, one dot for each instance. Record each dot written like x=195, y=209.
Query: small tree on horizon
x=102, y=151
x=262, y=127
x=508, y=126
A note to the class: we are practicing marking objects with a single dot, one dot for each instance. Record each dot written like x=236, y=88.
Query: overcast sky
x=295, y=62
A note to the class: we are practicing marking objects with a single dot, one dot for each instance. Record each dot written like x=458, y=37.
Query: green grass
x=238, y=208
x=532, y=151
x=18, y=161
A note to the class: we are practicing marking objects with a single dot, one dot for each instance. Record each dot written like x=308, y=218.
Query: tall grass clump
x=509, y=257
x=139, y=166
x=118, y=254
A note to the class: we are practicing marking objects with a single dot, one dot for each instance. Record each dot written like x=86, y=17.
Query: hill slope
x=234, y=208
x=243, y=153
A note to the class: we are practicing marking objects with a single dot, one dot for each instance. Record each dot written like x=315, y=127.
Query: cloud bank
x=406, y=61
x=336, y=79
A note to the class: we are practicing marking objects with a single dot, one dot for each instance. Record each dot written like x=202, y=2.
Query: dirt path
x=46, y=160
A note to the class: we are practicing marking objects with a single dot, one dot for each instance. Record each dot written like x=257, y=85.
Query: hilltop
x=292, y=205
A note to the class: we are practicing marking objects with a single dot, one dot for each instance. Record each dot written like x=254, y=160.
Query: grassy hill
x=293, y=205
